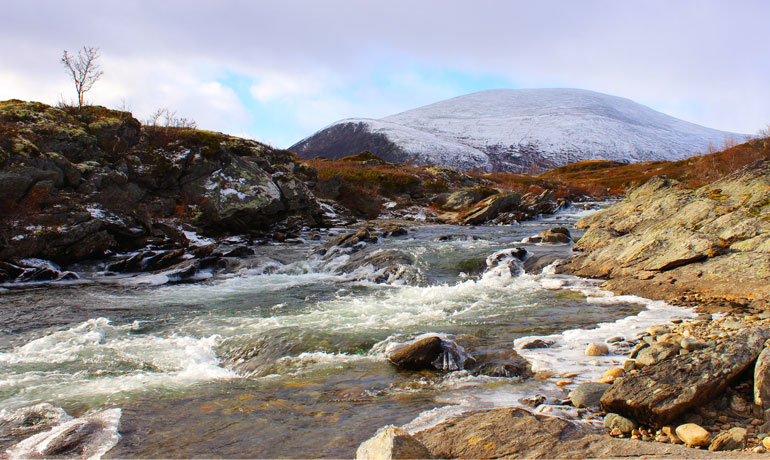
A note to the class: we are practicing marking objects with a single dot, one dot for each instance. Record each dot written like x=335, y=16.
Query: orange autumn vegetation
x=594, y=179
x=692, y=172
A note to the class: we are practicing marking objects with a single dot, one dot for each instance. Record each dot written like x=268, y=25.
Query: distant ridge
x=517, y=131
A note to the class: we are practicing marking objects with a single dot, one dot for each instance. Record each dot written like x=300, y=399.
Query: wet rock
x=597, y=349
x=355, y=240
x=393, y=231
x=431, y=352
x=391, y=442
x=762, y=380
x=552, y=235
x=360, y=204
x=536, y=262
x=588, y=394
x=239, y=251
x=620, y=423
x=385, y=266
x=508, y=363
x=507, y=262
x=655, y=354
x=535, y=343
x=732, y=439
x=661, y=392
x=693, y=435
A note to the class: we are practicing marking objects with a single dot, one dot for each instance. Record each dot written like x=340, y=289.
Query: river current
x=287, y=359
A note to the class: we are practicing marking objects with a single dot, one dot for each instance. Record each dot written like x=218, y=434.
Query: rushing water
x=287, y=359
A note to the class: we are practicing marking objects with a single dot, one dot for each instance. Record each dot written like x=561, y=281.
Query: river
x=287, y=359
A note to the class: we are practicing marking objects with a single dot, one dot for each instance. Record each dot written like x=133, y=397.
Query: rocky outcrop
x=659, y=393
x=664, y=240
x=80, y=184
x=503, y=208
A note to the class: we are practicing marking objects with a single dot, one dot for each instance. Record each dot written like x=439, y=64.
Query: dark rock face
x=659, y=393
x=347, y=139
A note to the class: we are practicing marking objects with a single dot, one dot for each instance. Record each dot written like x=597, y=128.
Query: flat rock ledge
x=659, y=393
x=517, y=433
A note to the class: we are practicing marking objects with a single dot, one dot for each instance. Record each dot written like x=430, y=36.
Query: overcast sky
x=278, y=71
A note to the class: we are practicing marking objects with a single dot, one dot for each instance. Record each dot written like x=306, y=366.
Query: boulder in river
x=506, y=363
x=430, y=352
x=658, y=394
x=391, y=266
x=552, y=235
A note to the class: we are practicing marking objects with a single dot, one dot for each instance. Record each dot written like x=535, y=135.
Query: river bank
x=699, y=382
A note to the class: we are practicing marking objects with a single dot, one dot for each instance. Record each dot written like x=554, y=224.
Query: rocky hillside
x=665, y=241
x=80, y=184
x=517, y=131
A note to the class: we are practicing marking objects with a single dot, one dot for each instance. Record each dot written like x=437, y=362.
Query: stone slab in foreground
x=517, y=433
x=660, y=393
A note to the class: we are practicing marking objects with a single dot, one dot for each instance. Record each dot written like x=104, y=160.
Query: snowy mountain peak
x=518, y=130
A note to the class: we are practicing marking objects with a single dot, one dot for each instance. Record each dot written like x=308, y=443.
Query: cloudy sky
x=278, y=71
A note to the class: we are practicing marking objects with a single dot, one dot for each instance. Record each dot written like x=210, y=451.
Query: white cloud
x=702, y=60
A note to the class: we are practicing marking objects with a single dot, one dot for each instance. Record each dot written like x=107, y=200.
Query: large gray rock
x=588, y=394
x=658, y=394
x=391, y=442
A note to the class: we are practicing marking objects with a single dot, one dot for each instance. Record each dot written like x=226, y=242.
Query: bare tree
x=83, y=69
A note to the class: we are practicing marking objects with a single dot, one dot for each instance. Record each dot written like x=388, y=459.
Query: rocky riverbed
x=692, y=388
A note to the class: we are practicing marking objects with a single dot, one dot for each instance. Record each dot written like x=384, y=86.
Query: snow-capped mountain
x=516, y=131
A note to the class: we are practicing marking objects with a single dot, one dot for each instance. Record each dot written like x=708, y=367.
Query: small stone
x=615, y=339
x=723, y=418
x=597, y=349
x=766, y=442
x=588, y=394
x=536, y=343
x=657, y=330
x=629, y=365
x=615, y=432
x=661, y=438
x=732, y=439
x=655, y=354
x=691, y=344
x=618, y=422
x=757, y=422
x=693, y=435
x=759, y=449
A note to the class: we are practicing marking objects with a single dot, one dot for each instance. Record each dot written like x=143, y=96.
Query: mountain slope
x=516, y=131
